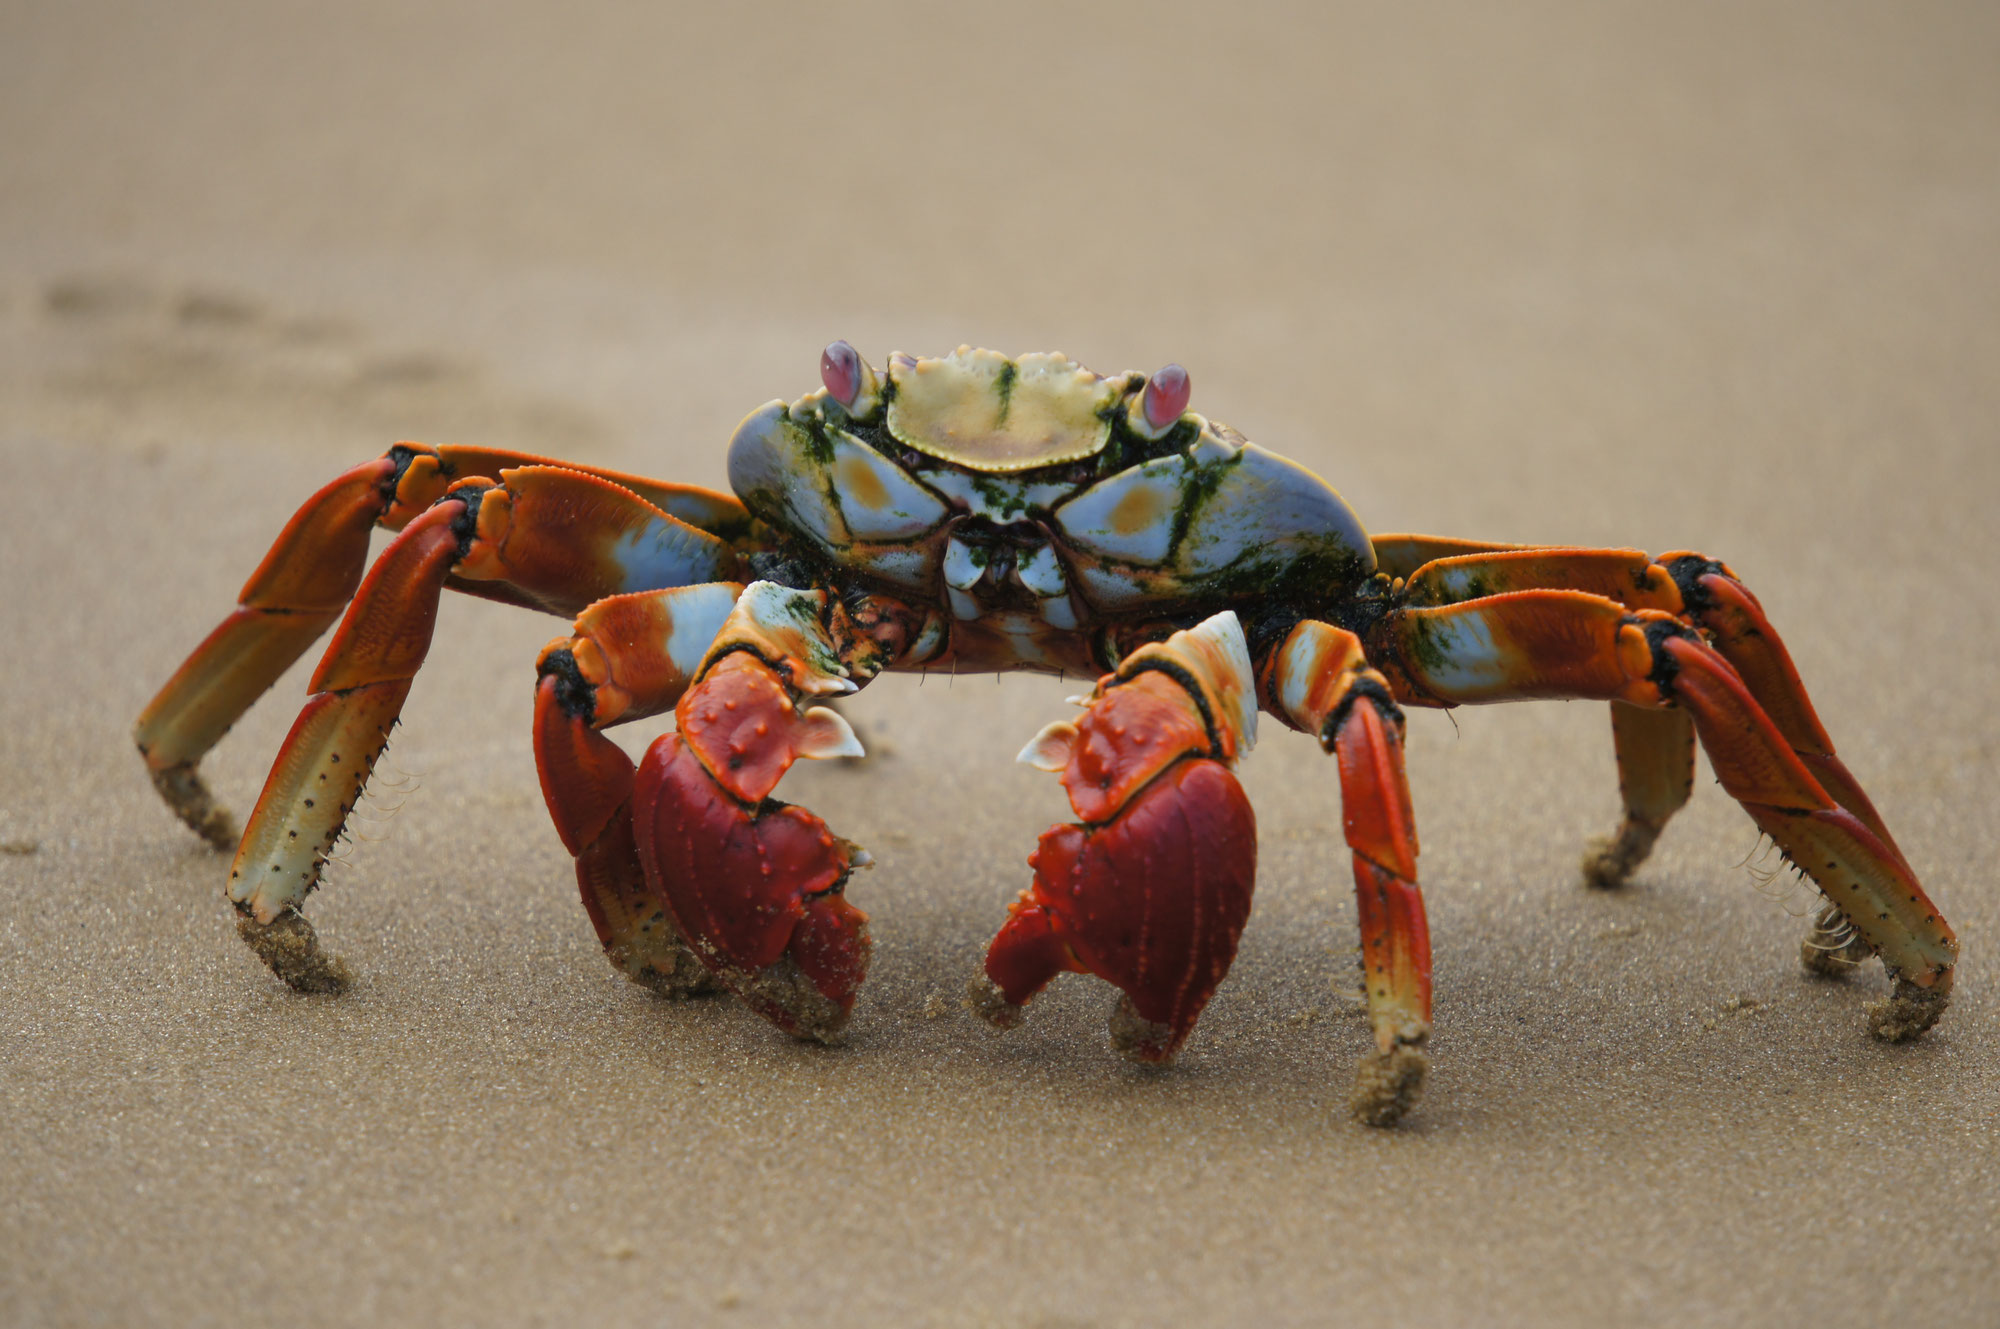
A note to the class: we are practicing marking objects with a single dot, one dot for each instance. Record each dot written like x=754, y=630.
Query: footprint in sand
x=133, y=361
x=216, y=309
x=98, y=297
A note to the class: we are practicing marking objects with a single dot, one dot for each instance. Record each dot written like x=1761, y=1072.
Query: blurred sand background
x=1709, y=276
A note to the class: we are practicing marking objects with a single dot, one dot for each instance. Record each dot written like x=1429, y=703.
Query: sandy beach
x=1721, y=279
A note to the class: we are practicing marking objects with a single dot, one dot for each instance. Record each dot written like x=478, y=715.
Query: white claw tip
x=827, y=734
x=1050, y=750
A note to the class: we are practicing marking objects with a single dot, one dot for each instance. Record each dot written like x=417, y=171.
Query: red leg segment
x=1861, y=874
x=479, y=531
x=292, y=598
x=1558, y=643
x=1741, y=633
x=1320, y=682
x=307, y=577
x=1653, y=756
x=631, y=656
x=1150, y=891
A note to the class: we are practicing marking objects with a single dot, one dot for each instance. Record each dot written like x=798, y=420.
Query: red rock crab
x=992, y=513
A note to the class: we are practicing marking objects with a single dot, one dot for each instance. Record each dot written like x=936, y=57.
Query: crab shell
x=1034, y=486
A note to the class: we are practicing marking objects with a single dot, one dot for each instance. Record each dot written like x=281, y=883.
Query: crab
x=976, y=511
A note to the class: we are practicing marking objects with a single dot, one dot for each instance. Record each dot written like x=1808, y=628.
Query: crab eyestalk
x=850, y=380
x=1159, y=408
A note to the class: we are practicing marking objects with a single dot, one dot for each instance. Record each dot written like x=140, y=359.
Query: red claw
x=755, y=890
x=1153, y=902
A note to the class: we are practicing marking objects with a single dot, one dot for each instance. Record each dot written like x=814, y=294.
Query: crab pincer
x=1151, y=889
x=755, y=884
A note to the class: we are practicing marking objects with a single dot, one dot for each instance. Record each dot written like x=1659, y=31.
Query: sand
x=1720, y=278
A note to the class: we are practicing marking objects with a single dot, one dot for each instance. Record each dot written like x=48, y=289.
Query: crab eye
x=1166, y=397
x=840, y=370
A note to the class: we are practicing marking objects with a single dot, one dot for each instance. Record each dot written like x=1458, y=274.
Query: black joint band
x=785, y=567
x=1362, y=687
x=400, y=458
x=466, y=524
x=1687, y=572
x=839, y=886
x=1188, y=685
x=1659, y=632
x=573, y=692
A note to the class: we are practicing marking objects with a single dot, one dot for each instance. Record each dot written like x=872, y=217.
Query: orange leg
x=1401, y=555
x=1653, y=758
x=1655, y=777
x=1319, y=681
x=1571, y=644
x=1655, y=749
x=1737, y=628
x=554, y=538
x=295, y=594
x=302, y=585
x=1151, y=889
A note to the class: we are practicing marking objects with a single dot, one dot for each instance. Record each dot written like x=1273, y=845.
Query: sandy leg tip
x=1909, y=1010
x=1389, y=1085
x=684, y=979
x=291, y=948
x=188, y=795
x=657, y=958
x=1610, y=862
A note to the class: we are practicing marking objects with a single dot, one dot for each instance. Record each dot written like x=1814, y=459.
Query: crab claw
x=1152, y=902
x=1151, y=889
x=755, y=884
x=756, y=892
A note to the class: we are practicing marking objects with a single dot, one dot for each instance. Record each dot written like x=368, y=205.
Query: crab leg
x=1655, y=752
x=1151, y=890
x=1319, y=682
x=290, y=599
x=630, y=656
x=307, y=577
x=553, y=537
x=755, y=885
x=1740, y=632
x=1702, y=592
x=1571, y=644
x=1401, y=555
